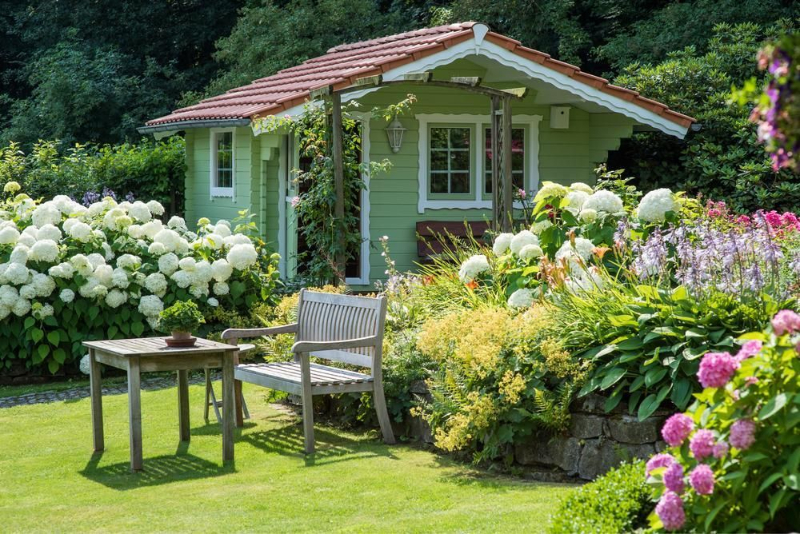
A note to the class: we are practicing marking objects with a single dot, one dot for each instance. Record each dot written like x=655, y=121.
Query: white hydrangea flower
x=104, y=274
x=129, y=261
x=237, y=239
x=223, y=228
x=155, y=208
x=212, y=241
x=136, y=231
x=43, y=285
x=80, y=231
x=168, y=263
x=25, y=208
x=151, y=228
x=221, y=270
x=20, y=254
x=66, y=295
x=82, y=264
x=169, y=238
x=213, y=302
x=187, y=264
x=521, y=298
x=583, y=248
x=156, y=283
x=8, y=295
x=93, y=288
x=140, y=212
x=157, y=249
x=48, y=231
x=5, y=311
x=501, y=243
x=9, y=235
x=96, y=209
x=576, y=199
x=42, y=311
x=26, y=239
x=588, y=215
x=16, y=273
x=198, y=291
x=46, y=213
x=203, y=221
x=242, y=256
x=108, y=253
x=525, y=237
x=181, y=278
x=116, y=298
x=96, y=260
x=473, y=267
x=45, y=250
x=21, y=307
x=113, y=219
x=580, y=186
x=531, y=252
x=27, y=292
x=604, y=201
x=203, y=273
x=550, y=190
x=120, y=278
x=64, y=204
x=221, y=288
x=177, y=223
x=654, y=206
x=85, y=365
x=538, y=227
x=151, y=306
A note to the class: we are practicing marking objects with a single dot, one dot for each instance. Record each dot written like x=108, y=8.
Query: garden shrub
x=149, y=170
x=71, y=273
x=734, y=460
x=615, y=502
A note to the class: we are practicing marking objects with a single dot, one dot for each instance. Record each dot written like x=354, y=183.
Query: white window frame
x=529, y=122
x=221, y=192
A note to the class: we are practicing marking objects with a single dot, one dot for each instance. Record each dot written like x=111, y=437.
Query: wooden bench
x=341, y=328
x=434, y=237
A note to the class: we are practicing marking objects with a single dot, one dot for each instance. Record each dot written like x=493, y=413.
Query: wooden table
x=152, y=354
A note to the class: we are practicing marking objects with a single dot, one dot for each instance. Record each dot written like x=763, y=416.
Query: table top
x=153, y=346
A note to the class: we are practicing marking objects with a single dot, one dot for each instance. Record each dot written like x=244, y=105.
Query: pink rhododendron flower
x=673, y=478
x=789, y=219
x=676, y=429
x=702, y=479
x=714, y=212
x=670, y=510
x=785, y=322
x=659, y=460
x=716, y=369
x=720, y=450
x=749, y=349
x=743, y=434
x=702, y=444
x=773, y=219
x=744, y=220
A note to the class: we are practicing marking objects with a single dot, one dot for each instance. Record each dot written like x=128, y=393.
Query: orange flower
x=600, y=252
x=472, y=285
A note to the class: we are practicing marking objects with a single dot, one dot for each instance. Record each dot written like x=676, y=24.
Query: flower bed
x=72, y=273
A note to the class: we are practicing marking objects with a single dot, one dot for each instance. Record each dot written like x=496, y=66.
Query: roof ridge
x=444, y=28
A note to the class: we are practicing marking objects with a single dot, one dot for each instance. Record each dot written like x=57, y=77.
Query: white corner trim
x=282, y=179
x=535, y=70
x=221, y=192
x=532, y=147
x=479, y=31
x=364, y=118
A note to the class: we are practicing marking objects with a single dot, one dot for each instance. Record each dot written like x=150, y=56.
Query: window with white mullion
x=517, y=159
x=223, y=164
x=450, y=161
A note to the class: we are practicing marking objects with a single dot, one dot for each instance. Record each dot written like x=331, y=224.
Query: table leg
x=183, y=404
x=95, y=388
x=228, y=403
x=135, y=412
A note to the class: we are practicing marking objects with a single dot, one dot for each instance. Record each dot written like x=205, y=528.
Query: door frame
x=287, y=238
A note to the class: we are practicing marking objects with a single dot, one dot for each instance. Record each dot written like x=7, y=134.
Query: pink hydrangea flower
x=673, y=478
x=659, y=460
x=714, y=212
x=720, y=450
x=750, y=380
x=743, y=434
x=773, y=218
x=676, y=429
x=785, y=322
x=744, y=220
x=749, y=349
x=789, y=219
x=670, y=510
x=716, y=369
x=702, y=479
x=702, y=444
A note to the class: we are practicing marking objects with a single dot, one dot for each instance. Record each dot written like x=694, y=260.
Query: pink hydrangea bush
x=734, y=456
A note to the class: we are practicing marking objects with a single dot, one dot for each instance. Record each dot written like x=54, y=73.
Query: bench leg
x=308, y=404
x=383, y=414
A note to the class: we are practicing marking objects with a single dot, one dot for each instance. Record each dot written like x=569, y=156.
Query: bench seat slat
x=321, y=375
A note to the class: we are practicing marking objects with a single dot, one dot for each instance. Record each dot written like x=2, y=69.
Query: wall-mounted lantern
x=395, y=132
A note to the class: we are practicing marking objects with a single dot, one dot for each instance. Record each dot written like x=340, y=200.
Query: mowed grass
x=51, y=482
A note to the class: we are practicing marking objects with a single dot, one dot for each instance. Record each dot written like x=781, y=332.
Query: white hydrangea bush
x=70, y=272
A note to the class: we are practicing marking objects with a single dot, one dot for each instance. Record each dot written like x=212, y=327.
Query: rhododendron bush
x=71, y=273
x=734, y=459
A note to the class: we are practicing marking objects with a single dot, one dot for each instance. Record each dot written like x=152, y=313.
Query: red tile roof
x=342, y=65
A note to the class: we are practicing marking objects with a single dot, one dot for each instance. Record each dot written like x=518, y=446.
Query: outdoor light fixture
x=395, y=133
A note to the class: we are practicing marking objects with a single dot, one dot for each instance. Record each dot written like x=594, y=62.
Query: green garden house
x=563, y=123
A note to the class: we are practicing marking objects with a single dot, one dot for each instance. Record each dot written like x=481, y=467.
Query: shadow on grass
x=288, y=440
x=468, y=475
x=157, y=470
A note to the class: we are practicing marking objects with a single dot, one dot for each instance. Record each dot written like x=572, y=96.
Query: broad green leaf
x=53, y=337
x=60, y=355
x=653, y=376
x=773, y=406
x=137, y=328
x=29, y=322
x=37, y=335
x=612, y=377
x=631, y=344
x=648, y=406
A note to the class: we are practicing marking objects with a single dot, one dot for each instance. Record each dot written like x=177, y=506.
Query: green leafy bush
x=615, y=502
x=183, y=316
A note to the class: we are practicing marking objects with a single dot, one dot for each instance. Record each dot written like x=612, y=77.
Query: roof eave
x=189, y=124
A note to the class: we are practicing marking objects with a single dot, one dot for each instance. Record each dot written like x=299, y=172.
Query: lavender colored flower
x=130, y=197
x=720, y=449
x=673, y=478
x=676, y=429
x=659, y=460
x=716, y=369
x=743, y=434
x=748, y=350
x=702, y=479
x=670, y=510
x=702, y=444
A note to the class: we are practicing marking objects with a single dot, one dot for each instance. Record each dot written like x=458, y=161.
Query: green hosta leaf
x=54, y=337
x=653, y=376
x=648, y=406
x=612, y=401
x=612, y=377
x=631, y=344
x=681, y=393
x=773, y=406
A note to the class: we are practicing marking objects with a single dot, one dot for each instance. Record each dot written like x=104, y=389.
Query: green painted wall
x=565, y=156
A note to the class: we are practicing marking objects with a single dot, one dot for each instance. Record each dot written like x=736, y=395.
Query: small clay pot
x=181, y=339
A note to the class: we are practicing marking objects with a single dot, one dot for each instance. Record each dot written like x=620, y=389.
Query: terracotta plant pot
x=181, y=339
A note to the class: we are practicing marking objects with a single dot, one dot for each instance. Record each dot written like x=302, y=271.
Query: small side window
x=222, y=168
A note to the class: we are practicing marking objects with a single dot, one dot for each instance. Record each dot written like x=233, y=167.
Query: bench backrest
x=434, y=236
x=334, y=317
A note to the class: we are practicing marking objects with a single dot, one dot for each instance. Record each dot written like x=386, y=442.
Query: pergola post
x=507, y=210
x=338, y=179
x=495, y=118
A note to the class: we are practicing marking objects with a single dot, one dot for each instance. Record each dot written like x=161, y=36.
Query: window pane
x=224, y=160
x=517, y=161
x=439, y=137
x=459, y=161
x=518, y=179
x=439, y=160
x=459, y=137
x=459, y=182
x=225, y=141
x=225, y=178
x=439, y=183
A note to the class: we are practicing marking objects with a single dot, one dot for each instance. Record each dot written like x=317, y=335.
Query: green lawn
x=50, y=481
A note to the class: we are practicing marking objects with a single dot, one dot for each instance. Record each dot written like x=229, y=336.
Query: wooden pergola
x=501, y=127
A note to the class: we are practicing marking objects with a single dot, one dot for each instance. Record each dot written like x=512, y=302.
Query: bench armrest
x=240, y=333
x=313, y=346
